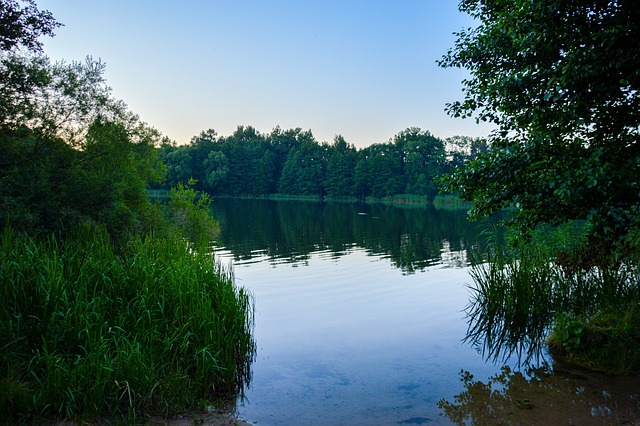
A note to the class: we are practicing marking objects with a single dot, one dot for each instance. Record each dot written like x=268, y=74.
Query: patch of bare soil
x=212, y=417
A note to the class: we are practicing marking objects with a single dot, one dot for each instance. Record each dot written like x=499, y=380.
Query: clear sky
x=364, y=69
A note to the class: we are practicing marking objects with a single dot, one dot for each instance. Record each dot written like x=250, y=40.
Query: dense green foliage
x=561, y=81
x=69, y=151
x=188, y=213
x=109, y=305
x=73, y=153
x=291, y=162
x=22, y=26
x=86, y=331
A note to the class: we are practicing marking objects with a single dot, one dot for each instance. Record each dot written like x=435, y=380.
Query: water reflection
x=343, y=338
x=543, y=396
x=512, y=307
x=505, y=325
x=290, y=231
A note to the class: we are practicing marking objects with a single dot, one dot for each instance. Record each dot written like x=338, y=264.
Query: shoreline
x=212, y=417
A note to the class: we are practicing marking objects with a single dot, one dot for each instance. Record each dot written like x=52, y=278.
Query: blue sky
x=363, y=69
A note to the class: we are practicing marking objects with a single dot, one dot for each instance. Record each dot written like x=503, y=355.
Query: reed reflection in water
x=513, y=304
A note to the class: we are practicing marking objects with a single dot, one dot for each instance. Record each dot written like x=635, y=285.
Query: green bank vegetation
x=560, y=81
x=524, y=300
x=88, y=331
x=111, y=307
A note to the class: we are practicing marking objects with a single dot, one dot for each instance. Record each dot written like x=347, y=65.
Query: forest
x=293, y=163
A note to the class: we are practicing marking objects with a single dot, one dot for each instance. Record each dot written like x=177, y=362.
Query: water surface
x=360, y=320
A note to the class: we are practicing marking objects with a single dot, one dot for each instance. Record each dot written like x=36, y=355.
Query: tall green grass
x=87, y=332
x=452, y=202
x=409, y=199
x=519, y=293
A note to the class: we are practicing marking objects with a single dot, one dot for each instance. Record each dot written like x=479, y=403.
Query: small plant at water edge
x=609, y=340
x=567, y=331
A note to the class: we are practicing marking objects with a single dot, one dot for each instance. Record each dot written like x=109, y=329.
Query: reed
x=293, y=197
x=509, y=310
x=449, y=200
x=342, y=199
x=86, y=331
x=519, y=293
x=409, y=199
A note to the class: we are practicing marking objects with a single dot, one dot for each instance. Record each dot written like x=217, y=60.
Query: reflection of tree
x=412, y=238
x=540, y=397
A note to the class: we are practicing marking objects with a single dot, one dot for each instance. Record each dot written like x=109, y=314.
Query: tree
x=108, y=177
x=341, y=164
x=379, y=171
x=424, y=157
x=282, y=142
x=178, y=163
x=198, y=150
x=68, y=151
x=305, y=170
x=462, y=149
x=21, y=74
x=561, y=81
x=56, y=100
x=22, y=26
x=216, y=170
x=250, y=166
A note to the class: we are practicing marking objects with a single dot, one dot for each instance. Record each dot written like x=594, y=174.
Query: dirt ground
x=212, y=417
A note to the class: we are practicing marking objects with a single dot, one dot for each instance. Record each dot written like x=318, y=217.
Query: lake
x=360, y=319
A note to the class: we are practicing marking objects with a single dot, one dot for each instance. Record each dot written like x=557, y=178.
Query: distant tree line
x=293, y=162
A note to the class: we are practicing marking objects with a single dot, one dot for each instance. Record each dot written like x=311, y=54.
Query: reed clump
x=449, y=201
x=88, y=330
x=524, y=301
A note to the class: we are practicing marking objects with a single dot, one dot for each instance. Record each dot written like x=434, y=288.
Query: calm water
x=360, y=319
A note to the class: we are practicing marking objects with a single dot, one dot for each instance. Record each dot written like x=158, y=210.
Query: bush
x=608, y=341
x=188, y=215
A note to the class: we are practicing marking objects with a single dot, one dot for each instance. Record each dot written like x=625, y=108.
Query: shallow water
x=360, y=320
